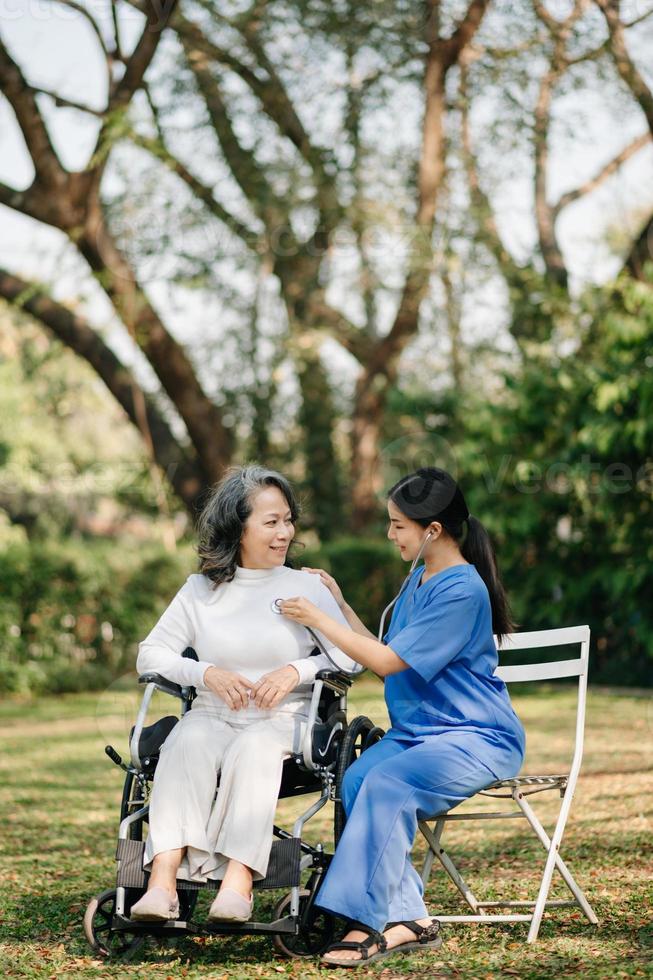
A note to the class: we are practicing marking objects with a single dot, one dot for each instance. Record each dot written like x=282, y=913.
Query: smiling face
x=407, y=535
x=268, y=531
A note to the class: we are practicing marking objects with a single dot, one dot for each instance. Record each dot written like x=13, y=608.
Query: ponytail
x=478, y=551
x=431, y=494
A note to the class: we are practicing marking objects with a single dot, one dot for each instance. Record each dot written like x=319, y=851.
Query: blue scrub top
x=443, y=630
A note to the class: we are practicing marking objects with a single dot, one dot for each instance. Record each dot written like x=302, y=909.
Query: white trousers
x=247, y=752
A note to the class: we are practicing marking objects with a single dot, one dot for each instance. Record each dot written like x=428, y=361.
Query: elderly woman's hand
x=232, y=688
x=301, y=610
x=272, y=688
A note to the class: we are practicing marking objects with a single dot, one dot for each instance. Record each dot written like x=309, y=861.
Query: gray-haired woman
x=253, y=680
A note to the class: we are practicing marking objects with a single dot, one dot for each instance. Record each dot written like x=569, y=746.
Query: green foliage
x=561, y=471
x=72, y=612
x=66, y=449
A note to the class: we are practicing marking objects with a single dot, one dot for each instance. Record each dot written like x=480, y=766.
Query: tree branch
x=121, y=92
x=63, y=103
x=465, y=31
x=243, y=166
x=603, y=174
x=185, y=474
x=367, y=278
x=17, y=200
x=95, y=27
x=275, y=102
x=199, y=190
x=322, y=316
x=157, y=19
x=483, y=211
x=279, y=107
x=20, y=95
x=116, y=29
x=545, y=214
x=624, y=64
x=441, y=57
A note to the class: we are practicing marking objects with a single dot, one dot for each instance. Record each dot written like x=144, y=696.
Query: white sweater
x=233, y=627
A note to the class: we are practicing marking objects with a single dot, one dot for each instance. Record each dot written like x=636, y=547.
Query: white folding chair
x=522, y=786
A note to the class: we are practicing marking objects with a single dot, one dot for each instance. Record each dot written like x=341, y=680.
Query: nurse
x=453, y=730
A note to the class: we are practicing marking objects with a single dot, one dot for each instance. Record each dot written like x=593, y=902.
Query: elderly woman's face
x=268, y=531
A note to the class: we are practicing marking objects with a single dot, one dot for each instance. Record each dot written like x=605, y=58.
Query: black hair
x=222, y=521
x=431, y=494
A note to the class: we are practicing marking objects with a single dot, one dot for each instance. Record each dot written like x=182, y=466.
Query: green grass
x=60, y=796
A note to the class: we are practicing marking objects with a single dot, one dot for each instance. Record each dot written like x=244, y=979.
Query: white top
x=233, y=627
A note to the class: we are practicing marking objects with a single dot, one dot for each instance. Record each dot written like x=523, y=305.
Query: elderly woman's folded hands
x=237, y=692
x=272, y=688
x=231, y=687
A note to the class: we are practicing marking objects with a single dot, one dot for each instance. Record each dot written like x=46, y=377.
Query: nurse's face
x=268, y=531
x=407, y=535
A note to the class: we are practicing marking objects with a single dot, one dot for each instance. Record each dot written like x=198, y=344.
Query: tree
x=290, y=103
x=74, y=204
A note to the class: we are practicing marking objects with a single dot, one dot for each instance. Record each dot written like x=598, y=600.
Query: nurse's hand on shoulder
x=300, y=610
x=232, y=688
x=330, y=583
x=272, y=688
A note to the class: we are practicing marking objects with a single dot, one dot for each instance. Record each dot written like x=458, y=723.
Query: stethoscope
x=275, y=606
x=403, y=585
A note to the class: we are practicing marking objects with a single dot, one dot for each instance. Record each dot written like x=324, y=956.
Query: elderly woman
x=253, y=679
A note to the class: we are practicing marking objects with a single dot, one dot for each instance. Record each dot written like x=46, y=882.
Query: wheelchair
x=296, y=868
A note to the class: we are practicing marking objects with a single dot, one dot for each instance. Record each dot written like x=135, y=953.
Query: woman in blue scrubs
x=453, y=730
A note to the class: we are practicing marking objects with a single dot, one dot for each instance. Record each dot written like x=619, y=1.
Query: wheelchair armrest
x=163, y=684
x=334, y=679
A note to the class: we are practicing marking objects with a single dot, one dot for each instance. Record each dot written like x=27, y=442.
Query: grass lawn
x=60, y=796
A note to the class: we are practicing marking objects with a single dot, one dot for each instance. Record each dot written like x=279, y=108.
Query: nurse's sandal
x=426, y=937
x=363, y=947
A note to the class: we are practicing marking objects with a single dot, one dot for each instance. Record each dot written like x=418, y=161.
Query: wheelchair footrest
x=283, y=868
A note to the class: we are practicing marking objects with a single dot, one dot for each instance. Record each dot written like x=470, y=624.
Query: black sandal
x=428, y=937
x=362, y=946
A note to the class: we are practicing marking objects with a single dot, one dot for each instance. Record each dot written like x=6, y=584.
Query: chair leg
x=545, y=840
x=436, y=850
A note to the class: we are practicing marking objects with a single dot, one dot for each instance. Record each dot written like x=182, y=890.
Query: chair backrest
x=547, y=669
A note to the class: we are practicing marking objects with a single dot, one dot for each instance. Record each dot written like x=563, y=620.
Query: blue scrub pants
x=397, y=782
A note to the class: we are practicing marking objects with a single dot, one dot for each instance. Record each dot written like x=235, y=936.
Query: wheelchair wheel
x=316, y=933
x=361, y=734
x=99, y=931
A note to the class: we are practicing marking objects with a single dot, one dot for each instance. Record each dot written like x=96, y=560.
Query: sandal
x=362, y=946
x=428, y=937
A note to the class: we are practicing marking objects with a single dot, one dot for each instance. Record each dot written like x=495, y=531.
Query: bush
x=73, y=612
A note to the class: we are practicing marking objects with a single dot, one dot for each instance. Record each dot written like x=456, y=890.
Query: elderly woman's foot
x=230, y=906
x=235, y=900
x=156, y=905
